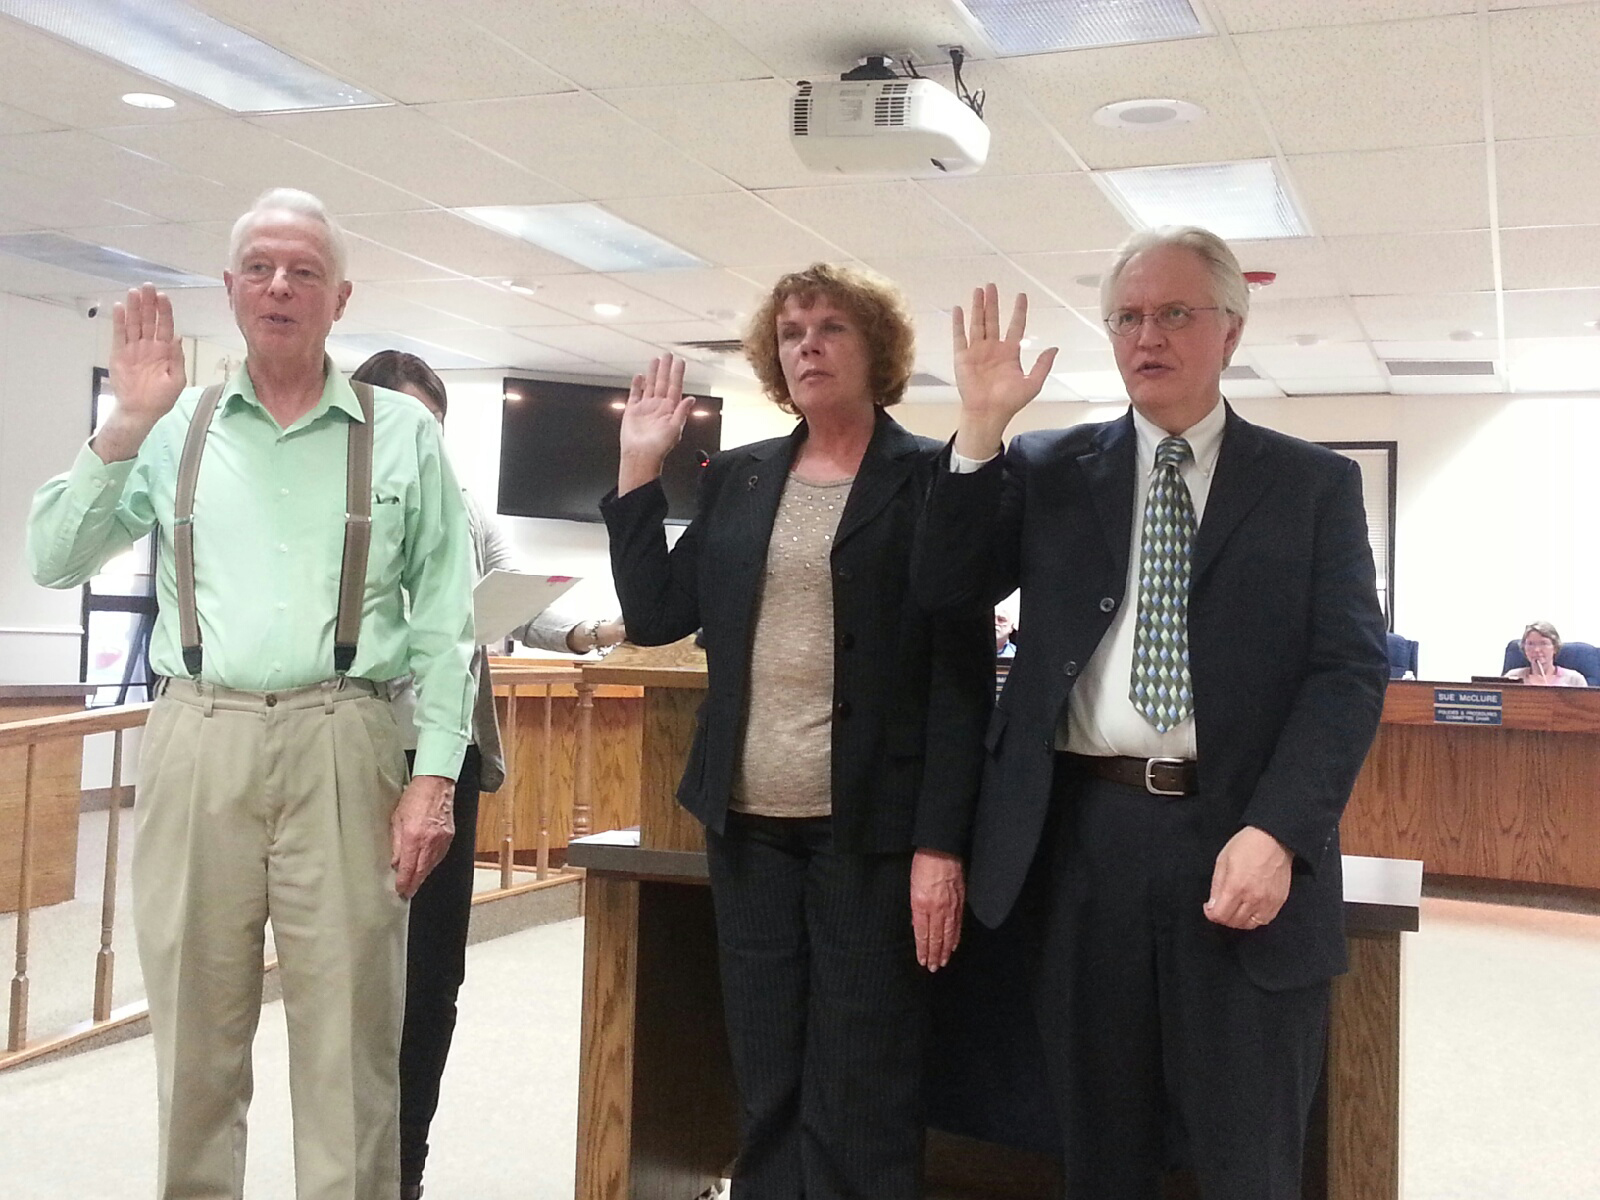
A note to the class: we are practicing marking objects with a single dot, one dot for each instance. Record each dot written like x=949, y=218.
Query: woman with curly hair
x=837, y=752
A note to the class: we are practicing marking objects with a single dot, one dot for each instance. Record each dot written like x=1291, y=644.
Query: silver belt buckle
x=1150, y=765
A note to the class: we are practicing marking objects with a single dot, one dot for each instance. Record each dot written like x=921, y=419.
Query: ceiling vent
x=1239, y=371
x=1439, y=366
x=923, y=379
x=723, y=347
x=800, y=111
x=889, y=109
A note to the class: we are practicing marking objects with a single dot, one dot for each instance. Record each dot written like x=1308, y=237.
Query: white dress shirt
x=1100, y=718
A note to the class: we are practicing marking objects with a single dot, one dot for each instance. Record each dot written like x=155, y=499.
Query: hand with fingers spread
x=652, y=423
x=994, y=387
x=938, y=894
x=146, y=371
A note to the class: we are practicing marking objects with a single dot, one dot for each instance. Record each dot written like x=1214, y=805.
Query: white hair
x=1227, y=281
x=302, y=204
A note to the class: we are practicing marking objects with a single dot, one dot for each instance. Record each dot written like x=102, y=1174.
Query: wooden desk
x=656, y=1109
x=57, y=784
x=1518, y=800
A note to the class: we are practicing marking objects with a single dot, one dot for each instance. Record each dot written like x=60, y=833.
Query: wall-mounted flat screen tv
x=558, y=450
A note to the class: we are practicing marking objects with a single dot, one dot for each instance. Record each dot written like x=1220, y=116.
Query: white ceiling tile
x=1281, y=319
x=938, y=284
x=1399, y=264
x=1553, y=364
x=824, y=38
x=1483, y=349
x=1072, y=330
x=458, y=244
x=61, y=204
x=710, y=293
x=1033, y=213
x=412, y=51
x=1369, y=87
x=614, y=43
x=1071, y=86
x=888, y=220
x=1446, y=385
x=1560, y=257
x=1354, y=385
x=203, y=313
x=578, y=294
x=596, y=343
x=730, y=229
x=582, y=143
x=1061, y=272
x=1251, y=389
x=1570, y=313
x=1093, y=385
x=1345, y=360
x=1249, y=16
x=1303, y=265
x=503, y=349
x=197, y=249
x=479, y=301
x=1421, y=190
x=371, y=262
x=93, y=166
x=1549, y=182
x=1542, y=65
x=15, y=120
x=375, y=309
x=666, y=334
x=403, y=147
x=1428, y=316
x=24, y=277
x=68, y=86
x=740, y=129
x=250, y=159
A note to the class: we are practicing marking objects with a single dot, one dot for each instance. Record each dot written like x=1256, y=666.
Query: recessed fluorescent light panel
x=1043, y=26
x=1239, y=201
x=86, y=258
x=365, y=345
x=587, y=234
x=180, y=45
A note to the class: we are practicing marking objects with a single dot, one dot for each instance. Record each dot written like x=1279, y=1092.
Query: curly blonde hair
x=872, y=301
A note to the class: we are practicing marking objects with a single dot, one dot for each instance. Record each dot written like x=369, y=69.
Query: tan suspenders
x=357, y=531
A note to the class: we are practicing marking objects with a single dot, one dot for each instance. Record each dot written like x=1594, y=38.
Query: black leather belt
x=1158, y=776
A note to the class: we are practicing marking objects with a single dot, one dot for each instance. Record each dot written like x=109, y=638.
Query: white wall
x=1496, y=511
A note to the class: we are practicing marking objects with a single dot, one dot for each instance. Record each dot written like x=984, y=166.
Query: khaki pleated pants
x=254, y=806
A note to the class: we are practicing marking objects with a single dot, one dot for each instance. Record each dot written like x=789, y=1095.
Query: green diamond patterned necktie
x=1160, y=687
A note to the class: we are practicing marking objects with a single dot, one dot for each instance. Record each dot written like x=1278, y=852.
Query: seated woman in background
x=1540, y=645
x=436, y=946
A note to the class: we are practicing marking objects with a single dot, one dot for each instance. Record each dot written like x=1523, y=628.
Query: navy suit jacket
x=1286, y=650
x=912, y=692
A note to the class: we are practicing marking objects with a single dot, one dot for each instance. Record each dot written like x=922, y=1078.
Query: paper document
x=507, y=600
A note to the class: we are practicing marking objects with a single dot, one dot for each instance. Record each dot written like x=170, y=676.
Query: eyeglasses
x=1125, y=322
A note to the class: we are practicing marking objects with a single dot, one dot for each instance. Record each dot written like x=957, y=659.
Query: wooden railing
x=32, y=734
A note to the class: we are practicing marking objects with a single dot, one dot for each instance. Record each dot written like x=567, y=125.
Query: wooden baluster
x=105, y=963
x=583, y=769
x=18, y=1034
x=547, y=759
x=507, y=793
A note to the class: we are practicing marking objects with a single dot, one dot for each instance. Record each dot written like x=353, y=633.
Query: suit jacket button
x=847, y=641
x=1070, y=669
x=1107, y=604
x=842, y=710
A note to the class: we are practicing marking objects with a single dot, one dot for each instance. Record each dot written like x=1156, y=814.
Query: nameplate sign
x=1466, y=706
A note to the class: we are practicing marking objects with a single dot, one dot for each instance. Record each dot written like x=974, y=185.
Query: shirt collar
x=336, y=393
x=1204, y=438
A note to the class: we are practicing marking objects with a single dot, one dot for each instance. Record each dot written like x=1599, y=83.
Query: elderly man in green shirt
x=272, y=780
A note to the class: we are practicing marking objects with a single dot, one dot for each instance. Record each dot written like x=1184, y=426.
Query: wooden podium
x=656, y=1108
x=1486, y=781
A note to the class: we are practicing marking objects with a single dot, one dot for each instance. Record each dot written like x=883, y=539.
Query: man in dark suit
x=1203, y=675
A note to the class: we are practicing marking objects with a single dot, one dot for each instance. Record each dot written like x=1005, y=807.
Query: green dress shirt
x=268, y=541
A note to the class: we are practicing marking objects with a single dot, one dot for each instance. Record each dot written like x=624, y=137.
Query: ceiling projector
x=913, y=127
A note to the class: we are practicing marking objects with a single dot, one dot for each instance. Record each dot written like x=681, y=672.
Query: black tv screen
x=558, y=450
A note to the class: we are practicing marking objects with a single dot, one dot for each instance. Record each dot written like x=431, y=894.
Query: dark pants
x=436, y=963
x=1160, y=1050
x=826, y=1012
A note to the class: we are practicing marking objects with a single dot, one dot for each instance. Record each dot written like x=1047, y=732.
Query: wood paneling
x=1512, y=802
x=669, y=723
x=605, y=1073
x=1363, y=1073
x=57, y=779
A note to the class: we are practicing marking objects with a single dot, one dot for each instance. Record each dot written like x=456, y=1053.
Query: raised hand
x=652, y=422
x=146, y=371
x=994, y=388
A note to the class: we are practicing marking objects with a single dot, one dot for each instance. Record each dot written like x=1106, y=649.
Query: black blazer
x=911, y=693
x=1286, y=649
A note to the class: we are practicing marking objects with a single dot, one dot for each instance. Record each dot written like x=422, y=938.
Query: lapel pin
x=752, y=481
